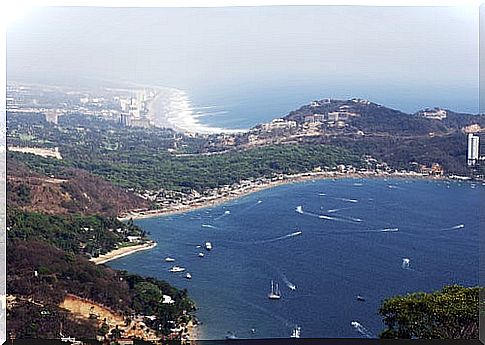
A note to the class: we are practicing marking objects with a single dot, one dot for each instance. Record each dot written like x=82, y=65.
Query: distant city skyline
x=405, y=57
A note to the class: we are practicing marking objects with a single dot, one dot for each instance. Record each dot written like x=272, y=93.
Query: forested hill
x=71, y=191
x=374, y=118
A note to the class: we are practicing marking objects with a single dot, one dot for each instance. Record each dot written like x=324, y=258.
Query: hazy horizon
x=404, y=57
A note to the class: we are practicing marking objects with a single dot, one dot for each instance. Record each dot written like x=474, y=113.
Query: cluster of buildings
x=434, y=170
x=169, y=200
x=338, y=117
x=313, y=123
x=433, y=114
x=134, y=110
x=127, y=107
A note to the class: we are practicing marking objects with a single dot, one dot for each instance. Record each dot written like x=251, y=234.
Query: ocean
x=229, y=107
x=324, y=242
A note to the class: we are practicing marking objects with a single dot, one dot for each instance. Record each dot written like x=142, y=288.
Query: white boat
x=201, y=255
x=169, y=259
x=176, y=269
x=208, y=245
x=188, y=276
x=296, y=332
x=275, y=291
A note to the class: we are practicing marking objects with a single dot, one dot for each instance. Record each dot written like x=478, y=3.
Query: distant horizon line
x=135, y=85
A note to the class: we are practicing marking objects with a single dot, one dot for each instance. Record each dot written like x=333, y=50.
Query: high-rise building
x=51, y=116
x=125, y=119
x=473, y=149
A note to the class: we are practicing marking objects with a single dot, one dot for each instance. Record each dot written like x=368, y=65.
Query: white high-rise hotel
x=473, y=149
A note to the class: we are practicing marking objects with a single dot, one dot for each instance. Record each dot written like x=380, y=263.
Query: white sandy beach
x=118, y=253
x=240, y=193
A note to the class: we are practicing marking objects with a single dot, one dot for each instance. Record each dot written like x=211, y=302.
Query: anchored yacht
x=275, y=291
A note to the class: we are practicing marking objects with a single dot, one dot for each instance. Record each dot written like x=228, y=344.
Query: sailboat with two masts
x=275, y=291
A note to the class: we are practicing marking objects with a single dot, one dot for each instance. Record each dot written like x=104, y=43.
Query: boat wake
x=348, y=200
x=222, y=215
x=456, y=227
x=299, y=209
x=361, y=329
x=269, y=313
x=389, y=230
x=337, y=209
x=290, y=285
x=357, y=220
x=370, y=231
x=338, y=198
x=251, y=206
x=293, y=234
x=209, y=226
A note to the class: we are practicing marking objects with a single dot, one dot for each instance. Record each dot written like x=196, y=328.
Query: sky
x=396, y=54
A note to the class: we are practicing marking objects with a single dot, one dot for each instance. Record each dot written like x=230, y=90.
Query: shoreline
x=121, y=252
x=169, y=101
x=257, y=188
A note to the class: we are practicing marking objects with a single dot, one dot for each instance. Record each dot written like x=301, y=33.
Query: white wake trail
x=284, y=237
x=348, y=200
x=456, y=227
x=222, y=215
x=290, y=285
x=361, y=329
x=299, y=209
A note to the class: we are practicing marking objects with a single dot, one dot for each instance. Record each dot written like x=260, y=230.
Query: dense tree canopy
x=451, y=313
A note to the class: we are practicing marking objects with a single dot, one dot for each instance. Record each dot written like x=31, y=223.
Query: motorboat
x=176, y=269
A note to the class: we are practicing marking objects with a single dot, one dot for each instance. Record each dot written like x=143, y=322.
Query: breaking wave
x=173, y=108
